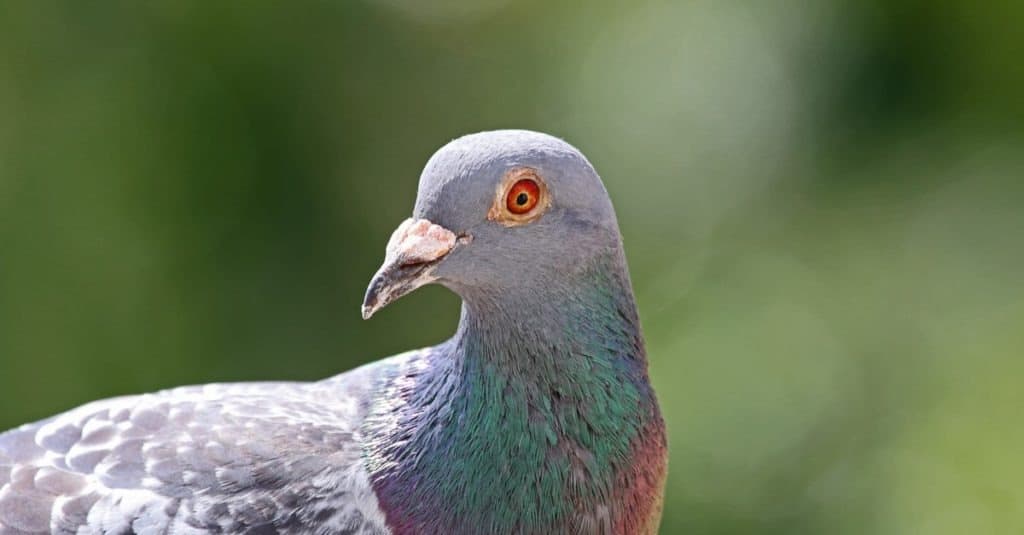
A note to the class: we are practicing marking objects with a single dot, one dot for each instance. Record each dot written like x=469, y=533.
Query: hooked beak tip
x=412, y=252
x=379, y=293
x=391, y=283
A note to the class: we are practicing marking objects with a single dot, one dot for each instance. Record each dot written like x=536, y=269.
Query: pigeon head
x=498, y=213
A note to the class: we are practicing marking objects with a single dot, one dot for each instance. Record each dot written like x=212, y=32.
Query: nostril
x=419, y=242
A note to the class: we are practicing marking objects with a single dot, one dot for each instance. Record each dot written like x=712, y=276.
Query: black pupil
x=522, y=198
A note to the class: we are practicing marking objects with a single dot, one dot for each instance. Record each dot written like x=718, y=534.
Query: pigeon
x=536, y=417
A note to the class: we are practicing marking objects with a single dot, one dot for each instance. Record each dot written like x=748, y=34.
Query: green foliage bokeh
x=821, y=202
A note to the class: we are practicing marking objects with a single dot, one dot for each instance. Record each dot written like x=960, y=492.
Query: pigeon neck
x=589, y=313
x=524, y=414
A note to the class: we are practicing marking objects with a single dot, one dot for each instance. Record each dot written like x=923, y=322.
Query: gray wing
x=222, y=458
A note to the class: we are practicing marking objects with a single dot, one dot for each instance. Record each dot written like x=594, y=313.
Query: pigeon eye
x=522, y=197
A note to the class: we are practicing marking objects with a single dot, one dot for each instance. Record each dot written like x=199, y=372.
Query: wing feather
x=229, y=458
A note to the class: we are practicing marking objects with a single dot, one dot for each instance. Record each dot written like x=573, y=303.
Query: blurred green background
x=821, y=201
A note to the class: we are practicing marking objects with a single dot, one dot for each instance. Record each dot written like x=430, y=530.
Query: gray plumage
x=300, y=458
x=219, y=458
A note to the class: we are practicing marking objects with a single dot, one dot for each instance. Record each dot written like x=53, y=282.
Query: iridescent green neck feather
x=540, y=419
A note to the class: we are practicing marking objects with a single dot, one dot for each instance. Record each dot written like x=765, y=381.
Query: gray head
x=497, y=211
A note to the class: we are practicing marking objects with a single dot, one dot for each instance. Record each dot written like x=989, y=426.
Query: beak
x=413, y=251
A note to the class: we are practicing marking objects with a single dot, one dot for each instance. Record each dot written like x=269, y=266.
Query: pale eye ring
x=521, y=198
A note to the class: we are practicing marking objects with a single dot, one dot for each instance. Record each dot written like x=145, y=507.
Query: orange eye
x=522, y=196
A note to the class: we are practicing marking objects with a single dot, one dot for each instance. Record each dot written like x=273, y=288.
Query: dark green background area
x=821, y=202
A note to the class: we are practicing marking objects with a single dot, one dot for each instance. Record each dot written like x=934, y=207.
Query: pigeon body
x=537, y=416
